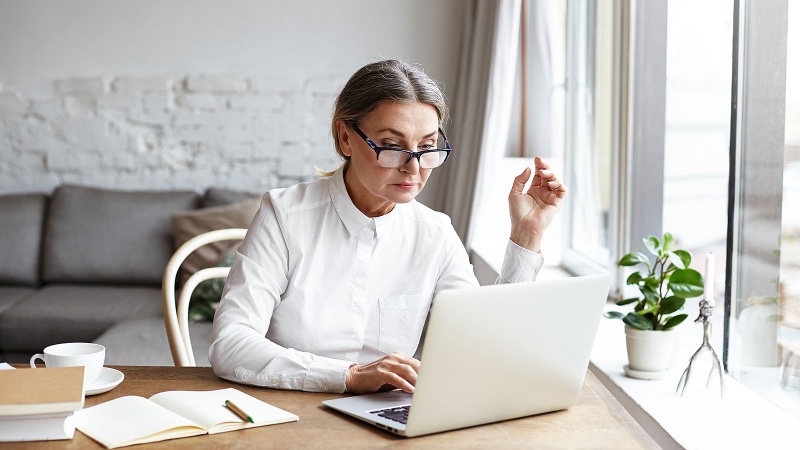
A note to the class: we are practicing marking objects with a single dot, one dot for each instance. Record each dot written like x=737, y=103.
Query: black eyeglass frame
x=411, y=154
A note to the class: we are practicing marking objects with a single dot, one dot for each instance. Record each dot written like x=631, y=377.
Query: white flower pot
x=649, y=350
x=757, y=333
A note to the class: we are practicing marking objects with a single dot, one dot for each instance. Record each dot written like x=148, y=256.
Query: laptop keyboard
x=397, y=413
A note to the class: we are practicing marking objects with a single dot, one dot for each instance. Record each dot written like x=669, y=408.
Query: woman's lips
x=404, y=186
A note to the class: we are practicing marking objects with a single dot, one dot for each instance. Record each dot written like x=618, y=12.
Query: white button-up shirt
x=317, y=286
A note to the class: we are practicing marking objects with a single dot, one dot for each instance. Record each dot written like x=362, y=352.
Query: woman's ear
x=344, y=138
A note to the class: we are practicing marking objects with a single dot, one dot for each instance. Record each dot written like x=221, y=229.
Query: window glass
x=536, y=128
x=589, y=127
x=537, y=119
x=764, y=331
x=789, y=293
x=776, y=371
x=696, y=144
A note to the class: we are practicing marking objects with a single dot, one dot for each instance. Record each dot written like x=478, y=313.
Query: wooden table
x=597, y=421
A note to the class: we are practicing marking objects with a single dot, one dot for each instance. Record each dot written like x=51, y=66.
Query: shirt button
x=325, y=386
x=274, y=381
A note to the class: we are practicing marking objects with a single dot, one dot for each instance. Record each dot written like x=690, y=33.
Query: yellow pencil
x=238, y=411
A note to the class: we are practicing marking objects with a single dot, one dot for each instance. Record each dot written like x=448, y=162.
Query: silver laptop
x=494, y=353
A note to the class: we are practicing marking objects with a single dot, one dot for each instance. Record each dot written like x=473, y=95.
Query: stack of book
x=39, y=404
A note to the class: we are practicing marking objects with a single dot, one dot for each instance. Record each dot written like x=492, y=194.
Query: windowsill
x=700, y=419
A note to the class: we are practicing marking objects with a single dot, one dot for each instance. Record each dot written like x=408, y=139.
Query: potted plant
x=664, y=286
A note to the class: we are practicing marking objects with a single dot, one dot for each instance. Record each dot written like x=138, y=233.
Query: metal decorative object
x=706, y=310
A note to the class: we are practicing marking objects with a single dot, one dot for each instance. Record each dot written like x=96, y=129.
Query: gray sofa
x=86, y=264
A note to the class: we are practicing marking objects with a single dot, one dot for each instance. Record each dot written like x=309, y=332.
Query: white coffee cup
x=92, y=356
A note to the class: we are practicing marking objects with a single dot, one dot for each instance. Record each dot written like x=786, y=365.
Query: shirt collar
x=354, y=220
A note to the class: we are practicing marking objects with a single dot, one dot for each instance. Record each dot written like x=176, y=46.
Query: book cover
x=41, y=391
x=173, y=414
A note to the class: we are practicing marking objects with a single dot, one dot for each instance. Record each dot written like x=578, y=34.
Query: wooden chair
x=176, y=317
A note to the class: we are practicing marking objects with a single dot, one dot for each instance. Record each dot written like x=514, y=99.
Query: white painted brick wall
x=91, y=86
x=190, y=131
x=278, y=84
x=142, y=84
x=201, y=101
x=218, y=83
x=11, y=105
x=258, y=101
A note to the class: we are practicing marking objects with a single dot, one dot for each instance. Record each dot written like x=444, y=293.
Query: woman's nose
x=412, y=166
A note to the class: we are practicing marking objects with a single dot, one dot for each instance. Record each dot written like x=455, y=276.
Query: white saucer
x=109, y=379
x=645, y=374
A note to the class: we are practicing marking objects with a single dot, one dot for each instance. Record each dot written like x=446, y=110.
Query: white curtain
x=481, y=108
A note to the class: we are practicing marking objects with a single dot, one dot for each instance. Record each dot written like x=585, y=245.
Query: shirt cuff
x=327, y=375
x=520, y=264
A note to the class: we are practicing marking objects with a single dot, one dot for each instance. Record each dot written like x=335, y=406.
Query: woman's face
x=409, y=126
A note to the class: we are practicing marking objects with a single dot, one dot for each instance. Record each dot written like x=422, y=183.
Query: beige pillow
x=188, y=224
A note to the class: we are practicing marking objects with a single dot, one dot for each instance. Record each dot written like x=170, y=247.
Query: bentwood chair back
x=176, y=317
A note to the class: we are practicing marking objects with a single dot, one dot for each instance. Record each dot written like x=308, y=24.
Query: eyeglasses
x=394, y=157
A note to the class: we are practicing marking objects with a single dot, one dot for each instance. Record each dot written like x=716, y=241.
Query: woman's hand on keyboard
x=393, y=371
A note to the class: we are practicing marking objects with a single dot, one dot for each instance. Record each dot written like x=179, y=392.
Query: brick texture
x=177, y=131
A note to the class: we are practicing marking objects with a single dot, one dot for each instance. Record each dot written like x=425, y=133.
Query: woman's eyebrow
x=402, y=135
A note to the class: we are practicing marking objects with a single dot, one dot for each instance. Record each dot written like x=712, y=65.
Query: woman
x=332, y=285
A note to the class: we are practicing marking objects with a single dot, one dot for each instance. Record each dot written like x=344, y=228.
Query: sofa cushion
x=102, y=236
x=10, y=295
x=21, y=222
x=66, y=313
x=218, y=197
x=143, y=342
x=188, y=224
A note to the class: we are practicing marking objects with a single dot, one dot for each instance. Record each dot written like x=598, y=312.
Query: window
x=655, y=140
x=697, y=140
x=591, y=119
x=536, y=128
x=763, y=330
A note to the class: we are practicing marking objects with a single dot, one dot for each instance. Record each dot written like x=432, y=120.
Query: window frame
x=638, y=127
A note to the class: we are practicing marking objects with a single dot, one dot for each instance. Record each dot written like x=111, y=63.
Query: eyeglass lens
x=396, y=158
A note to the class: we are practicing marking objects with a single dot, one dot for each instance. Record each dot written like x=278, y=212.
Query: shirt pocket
x=402, y=318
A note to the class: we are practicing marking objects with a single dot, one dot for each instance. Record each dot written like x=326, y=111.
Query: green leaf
x=634, y=258
x=627, y=301
x=637, y=322
x=685, y=256
x=651, y=296
x=671, y=304
x=674, y=321
x=686, y=283
x=651, y=310
x=668, y=241
x=649, y=291
x=653, y=245
x=613, y=315
x=676, y=260
x=652, y=282
x=634, y=278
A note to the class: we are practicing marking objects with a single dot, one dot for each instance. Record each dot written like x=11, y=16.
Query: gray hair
x=379, y=82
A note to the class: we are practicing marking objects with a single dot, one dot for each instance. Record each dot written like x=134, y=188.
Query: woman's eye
x=391, y=145
x=426, y=147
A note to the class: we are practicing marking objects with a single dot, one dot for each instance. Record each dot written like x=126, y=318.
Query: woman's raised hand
x=534, y=210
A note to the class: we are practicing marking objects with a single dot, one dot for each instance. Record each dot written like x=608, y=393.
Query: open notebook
x=174, y=414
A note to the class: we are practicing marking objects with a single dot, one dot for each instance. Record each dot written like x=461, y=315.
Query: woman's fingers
x=518, y=186
x=392, y=371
